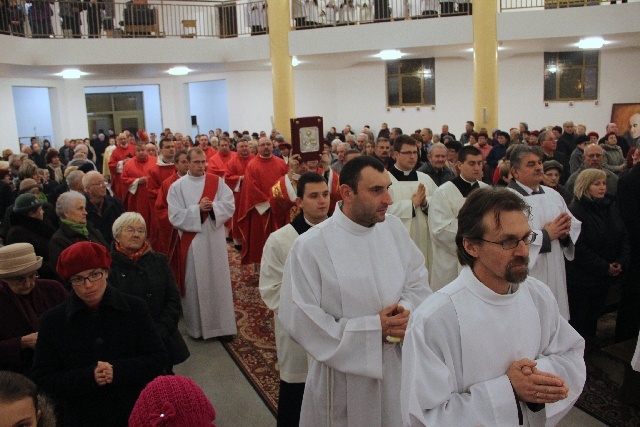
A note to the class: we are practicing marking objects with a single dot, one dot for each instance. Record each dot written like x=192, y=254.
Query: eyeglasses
x=23, y=279
x=509, y=244
x=591, y=156
x=77, y=281
x=132, y=230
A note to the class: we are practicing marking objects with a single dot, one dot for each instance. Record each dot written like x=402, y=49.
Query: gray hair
x=75, y=177
x=81, y=147
x=125, y=220
x=245, y=138
x=67, y=201
x=519, y=153
x=543, y=135
x=438, y=145
x=350, y=137
x=87, y=177
x=345, y=145
x=568, y=123
x=280, y=138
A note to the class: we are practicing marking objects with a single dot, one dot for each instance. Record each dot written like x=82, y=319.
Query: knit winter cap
x=26, y=202
x=82, y=256
x=172, y=401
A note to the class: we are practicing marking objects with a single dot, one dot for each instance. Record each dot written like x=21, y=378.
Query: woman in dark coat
x=71, y=208
x=27, y=225
x=97, y=350
x=601, y=252
x=137, y=270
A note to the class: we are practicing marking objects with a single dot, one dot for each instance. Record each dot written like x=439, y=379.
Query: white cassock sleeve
x=271, y=269
x=351, y=346
x=182, y=216
x=443, y=223
x=223, y=204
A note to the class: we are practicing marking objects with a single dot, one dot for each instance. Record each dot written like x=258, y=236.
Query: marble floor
x=238, y=405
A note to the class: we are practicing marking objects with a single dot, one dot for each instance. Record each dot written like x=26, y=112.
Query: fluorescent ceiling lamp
x=71, y=74
x=179, y=71
x=295, y=62
x=552, y=69
x=591, y=43
x=390, y=54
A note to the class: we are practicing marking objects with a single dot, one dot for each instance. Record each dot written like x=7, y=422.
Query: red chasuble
x=167, y=240
x=209, y=152
x=217, y=164
x=283, y=209
x=138, y=201
x=157, y=174
x=119, y=153
x=261, y=174
x=235, y=169
x=210, y=190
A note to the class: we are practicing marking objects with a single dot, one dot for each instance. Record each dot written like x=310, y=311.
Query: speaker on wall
x=194, y=121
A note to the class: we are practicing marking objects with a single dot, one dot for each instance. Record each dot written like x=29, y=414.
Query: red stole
x=217, y=164
x=210, y=190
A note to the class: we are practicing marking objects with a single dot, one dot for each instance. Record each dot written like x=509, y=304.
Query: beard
x=517, y=275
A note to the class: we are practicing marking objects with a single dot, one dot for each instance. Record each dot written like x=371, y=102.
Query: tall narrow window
x=571, y=75
x=411, y=82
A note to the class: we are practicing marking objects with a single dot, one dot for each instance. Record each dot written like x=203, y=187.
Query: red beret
x=82, y=256
x=590, y=134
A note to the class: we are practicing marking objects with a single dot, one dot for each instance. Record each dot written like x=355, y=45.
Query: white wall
x=151, y=102
x=32, y=111
x=208, y=102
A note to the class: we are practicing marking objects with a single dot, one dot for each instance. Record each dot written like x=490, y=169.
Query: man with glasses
x=592, y=159
x=491, y=348
x=411, y=192
x=550, y=219
x=98, y=349
x=23, y=299
x=102, y=208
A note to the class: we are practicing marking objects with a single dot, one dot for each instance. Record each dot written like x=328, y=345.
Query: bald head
x=593, y=155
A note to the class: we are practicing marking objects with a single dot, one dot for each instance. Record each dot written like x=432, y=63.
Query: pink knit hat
x=172, y=401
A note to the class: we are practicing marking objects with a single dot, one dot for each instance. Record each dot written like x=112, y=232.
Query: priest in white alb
x=348, y=288
x=550, y=219
x=199, y=205
x=443, y=215
x=411, y=192
x=491, y=348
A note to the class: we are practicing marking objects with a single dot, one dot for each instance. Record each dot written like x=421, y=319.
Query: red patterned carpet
x=254, y=348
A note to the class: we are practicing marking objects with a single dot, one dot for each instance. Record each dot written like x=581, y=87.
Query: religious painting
x=307, y=137
x=627, y=117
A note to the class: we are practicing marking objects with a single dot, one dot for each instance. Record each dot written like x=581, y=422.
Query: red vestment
x=119, y=154
x=217, y=164
x=210, y=151
x=157, y=174
x=167, y=239
x=137, y=196
x=235, y=170
x=259, y=177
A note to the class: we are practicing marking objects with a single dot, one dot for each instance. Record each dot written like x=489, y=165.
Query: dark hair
x=51, y=153
x=192, y=151
x=505, y=134
x=471, y=123
x=14, y=386
x=453, y=144
x=403, y=140
x=306, y=178
x=398, y=130
x=162, y=141
x=179, y=153
x=467, y=151
x=520, y=151
x=351, y=171
x=558, y=128
x=381, y=139
x=476, y=206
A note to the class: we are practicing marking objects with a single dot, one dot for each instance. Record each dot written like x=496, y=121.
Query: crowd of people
x=458, y=246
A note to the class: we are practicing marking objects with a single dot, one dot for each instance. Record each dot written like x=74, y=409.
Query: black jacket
x=65, y=237
x=25, y=229
x=603, y=240
x=152, y=280
x=112, y=208
x=73, y=338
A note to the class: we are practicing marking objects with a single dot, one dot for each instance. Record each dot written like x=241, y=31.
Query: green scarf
x=76, y=226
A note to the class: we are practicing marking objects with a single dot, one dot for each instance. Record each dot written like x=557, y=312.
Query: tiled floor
x=238, y=405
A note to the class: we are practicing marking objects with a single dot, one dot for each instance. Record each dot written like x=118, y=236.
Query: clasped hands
x=205, y=204
x=419, y=198
x=103, y=373
x=534, y=386
x=394, y=320
x=560, y=227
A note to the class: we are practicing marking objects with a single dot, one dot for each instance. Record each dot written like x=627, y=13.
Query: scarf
x=135, y=257
x=76, y=226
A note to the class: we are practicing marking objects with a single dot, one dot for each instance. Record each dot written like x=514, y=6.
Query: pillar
x=485, y=64
x=281, y=68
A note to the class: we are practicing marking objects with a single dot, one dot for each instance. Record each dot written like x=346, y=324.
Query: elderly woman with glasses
x=23, y=299
x=71, y=207
x=99, y=349
x=138, y=270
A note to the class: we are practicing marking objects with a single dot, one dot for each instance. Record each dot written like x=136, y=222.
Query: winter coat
x=112, y=208
x=603, y=240
x=37, y=232
x=151, y=279
x=65, y=237
x=73, y=338
x=613, y=158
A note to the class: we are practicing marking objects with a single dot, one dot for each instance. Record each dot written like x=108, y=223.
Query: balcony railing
x=551, y=4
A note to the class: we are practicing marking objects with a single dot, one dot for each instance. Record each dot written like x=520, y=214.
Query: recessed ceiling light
x=71, y=74
x=390, y=54
x=591, y=43
x=295, y=62
x=179, y=71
